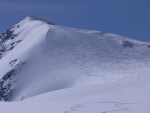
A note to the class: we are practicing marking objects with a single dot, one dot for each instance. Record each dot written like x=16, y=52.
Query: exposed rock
x=127, y=44
x=5, y=86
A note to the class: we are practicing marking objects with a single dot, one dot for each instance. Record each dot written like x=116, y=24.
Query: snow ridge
x=42, y=19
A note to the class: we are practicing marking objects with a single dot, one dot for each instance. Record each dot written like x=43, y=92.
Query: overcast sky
x=130, y=18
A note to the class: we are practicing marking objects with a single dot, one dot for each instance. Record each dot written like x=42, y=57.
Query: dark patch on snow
x=127, y=44
x=18, y=41
x=13, y=62
x=1, y=55
x=2, y=49
x=12, y=38
x=11, y=48
x=9, y=34
x=12, y=43
x=7, y=82
x=5, y=86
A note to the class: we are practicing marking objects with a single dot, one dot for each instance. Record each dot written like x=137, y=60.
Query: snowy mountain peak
x=38, y=56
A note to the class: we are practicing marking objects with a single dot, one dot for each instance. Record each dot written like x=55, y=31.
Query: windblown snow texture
x=72, y=70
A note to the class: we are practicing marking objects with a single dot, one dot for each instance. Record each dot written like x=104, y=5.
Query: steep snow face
x=37, y=57
x=17, y=46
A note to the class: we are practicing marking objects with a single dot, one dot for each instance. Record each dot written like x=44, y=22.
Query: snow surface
x=66, y=70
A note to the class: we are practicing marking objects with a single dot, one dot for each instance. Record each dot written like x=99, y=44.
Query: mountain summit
x=37, y=56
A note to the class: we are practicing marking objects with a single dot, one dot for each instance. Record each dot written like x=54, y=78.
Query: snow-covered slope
x=80, y=71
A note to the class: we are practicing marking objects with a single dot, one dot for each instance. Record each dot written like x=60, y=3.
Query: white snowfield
x=47, y=68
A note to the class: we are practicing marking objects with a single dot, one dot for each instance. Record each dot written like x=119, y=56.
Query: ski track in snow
x=119, y=107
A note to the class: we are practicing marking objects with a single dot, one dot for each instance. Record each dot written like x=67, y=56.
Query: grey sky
x=129, y=18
